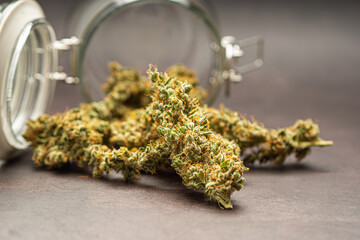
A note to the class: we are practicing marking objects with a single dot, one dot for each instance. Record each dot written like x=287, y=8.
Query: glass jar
x=132, y=32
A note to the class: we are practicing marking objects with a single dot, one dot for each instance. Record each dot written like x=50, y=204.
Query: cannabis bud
x=263, y=145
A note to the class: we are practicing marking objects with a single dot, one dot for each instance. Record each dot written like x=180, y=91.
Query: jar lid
x=27, y=58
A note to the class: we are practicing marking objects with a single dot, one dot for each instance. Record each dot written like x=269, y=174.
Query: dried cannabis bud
x=260, y=144
x=204, y=160
x=80, y=134
x=183, y=74
x=125, y=89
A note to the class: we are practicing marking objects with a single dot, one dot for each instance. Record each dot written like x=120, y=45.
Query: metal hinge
x=66, y=44
x=234, y=51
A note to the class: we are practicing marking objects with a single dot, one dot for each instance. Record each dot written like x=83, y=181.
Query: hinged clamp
x=66, y=44
x=234, y=51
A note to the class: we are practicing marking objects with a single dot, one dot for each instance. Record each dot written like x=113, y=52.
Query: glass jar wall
x=137, y=33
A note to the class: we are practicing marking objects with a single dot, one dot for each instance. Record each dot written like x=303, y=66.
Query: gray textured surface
x=312, y=70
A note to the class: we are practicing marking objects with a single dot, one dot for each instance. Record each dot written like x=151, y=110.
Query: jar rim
x=26, y=97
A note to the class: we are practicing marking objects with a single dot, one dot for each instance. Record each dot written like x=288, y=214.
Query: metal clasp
x=234, y=51
x=66, y=44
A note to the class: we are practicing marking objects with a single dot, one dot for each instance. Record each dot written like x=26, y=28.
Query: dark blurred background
x=312, y=70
